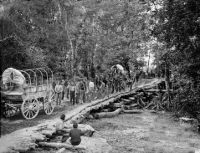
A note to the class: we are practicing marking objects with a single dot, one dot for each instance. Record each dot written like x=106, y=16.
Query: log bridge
x=124, y=102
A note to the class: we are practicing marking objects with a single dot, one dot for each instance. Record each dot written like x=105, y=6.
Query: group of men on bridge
x=82, y=89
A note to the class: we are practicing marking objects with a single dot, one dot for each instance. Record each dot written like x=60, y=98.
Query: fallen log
x=130, y=106
x=188, y=120
x=151, y=103
x=60, y=145
x=138, y=103
x=132, y=98
x=62, y=150
x=126, y=101
x=117, y=105
x=107, y=114
x=134, y=111
x=107, y=110
x=142, y=102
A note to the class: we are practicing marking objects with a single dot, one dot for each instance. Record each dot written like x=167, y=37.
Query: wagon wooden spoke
x=31, y=113
x=27, y=113
x=49, y=103
x=26, y=110
x=30, y=108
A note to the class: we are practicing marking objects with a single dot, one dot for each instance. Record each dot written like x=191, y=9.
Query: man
x=75, y=135
x=58, y=90
x=63, y=92
x=77, y=92
x=54, y=85
x=91, y=90
x=72, y=90
x=60, y=128
x=82, y=88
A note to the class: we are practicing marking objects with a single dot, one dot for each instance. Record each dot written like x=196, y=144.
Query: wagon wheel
x=30, y=108
x=49, y=103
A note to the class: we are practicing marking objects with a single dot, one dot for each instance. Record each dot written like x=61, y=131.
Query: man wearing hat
x=75, y=135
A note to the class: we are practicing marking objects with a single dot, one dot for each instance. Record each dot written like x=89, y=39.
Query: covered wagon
x=27, y=91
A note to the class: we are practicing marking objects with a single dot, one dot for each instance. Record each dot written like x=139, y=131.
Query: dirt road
x=18, y=122
x=147, y=133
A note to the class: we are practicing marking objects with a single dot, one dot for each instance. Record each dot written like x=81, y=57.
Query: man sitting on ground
x=75, y=135
x=60, y=128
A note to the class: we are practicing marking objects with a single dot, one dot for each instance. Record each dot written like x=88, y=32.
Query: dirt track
x=147, y=133
x=18, y=122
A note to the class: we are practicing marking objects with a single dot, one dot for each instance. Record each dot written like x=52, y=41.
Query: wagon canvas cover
x=14, y=76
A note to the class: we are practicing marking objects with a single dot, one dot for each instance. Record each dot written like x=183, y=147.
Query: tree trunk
x=59, y=145
x=167, y=82
x=148, y=64
x=134, y=111
x=107, y=114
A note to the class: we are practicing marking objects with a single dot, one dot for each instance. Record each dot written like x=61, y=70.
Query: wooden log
x=59, y=145
x=62, y=150
x=129, y=107
x=132, y=98
x=188, y=120
x=125, y=100
x=142, y=102
x=134, y=111
x=126, y=107
x=154, y=107
x=153, y=111
x=107, y=110
x=107, y=114
x=151, y=103
x=117, y=105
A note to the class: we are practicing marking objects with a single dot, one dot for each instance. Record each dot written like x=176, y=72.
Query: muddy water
x=147, y=133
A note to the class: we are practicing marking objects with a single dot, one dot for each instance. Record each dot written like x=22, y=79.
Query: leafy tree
x=178, y=28
x=175, y=24
x=79, y=35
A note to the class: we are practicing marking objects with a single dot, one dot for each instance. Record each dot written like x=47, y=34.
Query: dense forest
x=84, y=37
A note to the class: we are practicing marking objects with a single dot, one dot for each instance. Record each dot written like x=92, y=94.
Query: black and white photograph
x=100, y=76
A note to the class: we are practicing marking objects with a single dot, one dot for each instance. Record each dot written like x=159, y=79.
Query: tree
x=80, y=34
x=34, y=26
x=176, y=25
